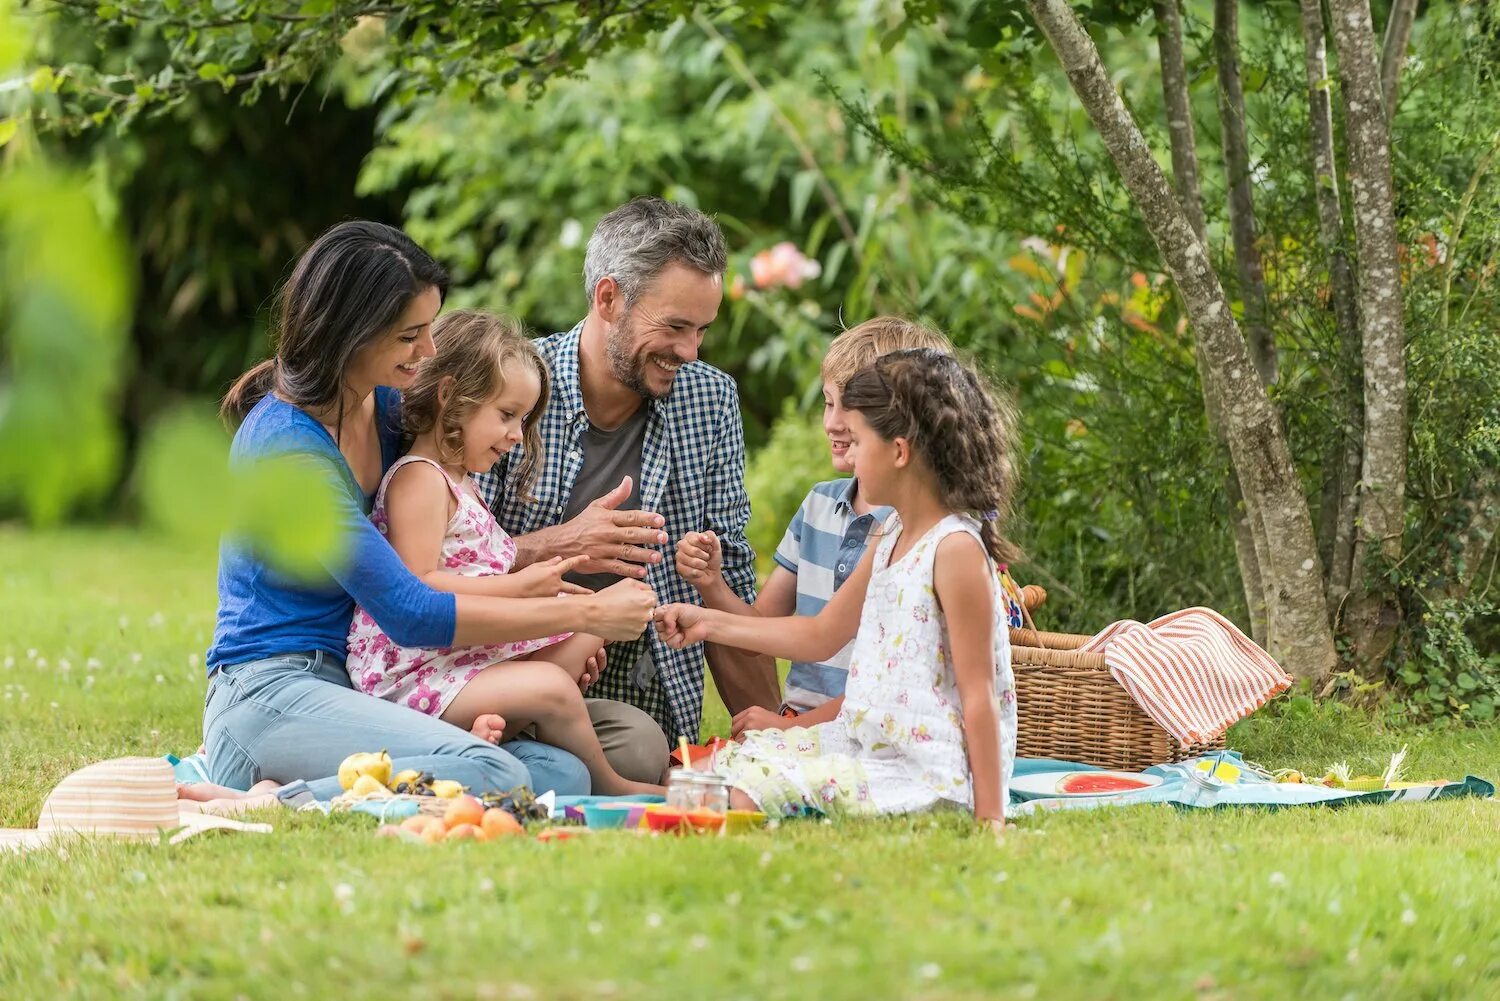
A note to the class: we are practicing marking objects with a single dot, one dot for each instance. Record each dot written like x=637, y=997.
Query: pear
x=368, y=787
x=376, y=766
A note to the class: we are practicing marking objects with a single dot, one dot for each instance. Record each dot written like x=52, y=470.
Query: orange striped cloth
x=1192, y=671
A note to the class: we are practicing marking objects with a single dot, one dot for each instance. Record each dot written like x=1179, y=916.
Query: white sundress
x=897, y=745
x=427, y=678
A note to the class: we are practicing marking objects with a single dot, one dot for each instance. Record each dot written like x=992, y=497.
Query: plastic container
x=602, y=816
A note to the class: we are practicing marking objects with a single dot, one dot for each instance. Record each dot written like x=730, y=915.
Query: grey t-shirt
x=608, y=456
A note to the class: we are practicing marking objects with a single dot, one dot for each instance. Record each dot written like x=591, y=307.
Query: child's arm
x=962, y=578
x=418, y=507
x=792, y=637
x=700, y=563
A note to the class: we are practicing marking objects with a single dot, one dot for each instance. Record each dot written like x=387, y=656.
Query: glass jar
x=693, y=790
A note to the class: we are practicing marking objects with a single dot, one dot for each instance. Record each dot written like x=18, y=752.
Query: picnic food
x=1084, y=783
x=368, y=786
x=498, y=823
x=463, y=810
x=446, y=788
x=377, y=766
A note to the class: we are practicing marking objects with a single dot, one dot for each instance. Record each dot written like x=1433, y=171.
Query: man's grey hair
x=636, y=242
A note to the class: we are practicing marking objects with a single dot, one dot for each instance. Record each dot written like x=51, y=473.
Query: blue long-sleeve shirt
x=264, y=613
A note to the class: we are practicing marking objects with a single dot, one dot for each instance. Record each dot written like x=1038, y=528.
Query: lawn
x=101, y=655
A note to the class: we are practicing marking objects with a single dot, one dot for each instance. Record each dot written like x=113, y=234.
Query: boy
x=824, y=542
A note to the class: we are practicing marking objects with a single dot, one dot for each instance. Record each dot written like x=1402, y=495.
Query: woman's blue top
x=265, y=613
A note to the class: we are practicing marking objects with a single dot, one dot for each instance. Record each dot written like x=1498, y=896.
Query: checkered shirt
x=692, y=474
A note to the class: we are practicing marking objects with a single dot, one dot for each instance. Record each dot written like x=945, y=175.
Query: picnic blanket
x=1180, y=789
x=1192, y=671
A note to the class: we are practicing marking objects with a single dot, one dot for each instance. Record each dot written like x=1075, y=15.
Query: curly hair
x=963, y=431
x=473, y=349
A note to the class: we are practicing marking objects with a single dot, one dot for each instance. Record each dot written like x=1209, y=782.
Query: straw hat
x=130, y=798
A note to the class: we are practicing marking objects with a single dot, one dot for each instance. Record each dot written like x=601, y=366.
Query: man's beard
x=629, y=368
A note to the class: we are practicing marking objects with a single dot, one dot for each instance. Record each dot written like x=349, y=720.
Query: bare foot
x=203, y=792
x=489, y=726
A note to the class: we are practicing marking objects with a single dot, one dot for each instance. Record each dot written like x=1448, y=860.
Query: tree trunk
x=1190, y=195
x=1342, y=463
x=1299, y=635
x=1373, y=616
x=1393, y=52
x=1252, y=278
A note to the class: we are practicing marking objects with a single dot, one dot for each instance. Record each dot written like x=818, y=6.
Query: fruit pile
x=466, y=818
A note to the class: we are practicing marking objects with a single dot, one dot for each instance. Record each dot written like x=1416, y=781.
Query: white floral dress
x=897, y=745
x=427, y=678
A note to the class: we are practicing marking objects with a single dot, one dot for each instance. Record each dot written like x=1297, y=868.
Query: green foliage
x=64, y=300
x=189, y=487
x=260, y=46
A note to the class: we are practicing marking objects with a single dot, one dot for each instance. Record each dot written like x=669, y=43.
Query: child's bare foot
x=489, y=727
x=203, y=792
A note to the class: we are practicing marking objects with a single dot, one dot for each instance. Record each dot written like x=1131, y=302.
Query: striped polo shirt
x=822, y=546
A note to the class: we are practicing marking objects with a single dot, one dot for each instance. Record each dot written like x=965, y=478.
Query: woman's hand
x=682, y=625
x=545, y=579
x=700, y=560
x=621, y=611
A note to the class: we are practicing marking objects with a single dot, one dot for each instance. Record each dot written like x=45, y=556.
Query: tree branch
x=1393, y=51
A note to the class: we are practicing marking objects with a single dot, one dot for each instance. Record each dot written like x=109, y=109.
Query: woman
x=352, y=324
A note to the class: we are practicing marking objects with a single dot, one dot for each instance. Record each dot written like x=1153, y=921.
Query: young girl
x=929, y=714
x=468, y=406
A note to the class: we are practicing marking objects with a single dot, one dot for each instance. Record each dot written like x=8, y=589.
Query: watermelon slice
x=1099, y=783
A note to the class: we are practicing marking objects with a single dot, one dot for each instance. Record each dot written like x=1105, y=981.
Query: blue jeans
x=297, y=717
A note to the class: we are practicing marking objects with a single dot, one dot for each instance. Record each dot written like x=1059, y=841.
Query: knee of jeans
x=499, y=770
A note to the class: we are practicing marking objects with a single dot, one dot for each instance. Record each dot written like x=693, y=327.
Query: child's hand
x=545, y=579
x=756, y=718
x=592, y=668
x=700, y=560
x=681, y=625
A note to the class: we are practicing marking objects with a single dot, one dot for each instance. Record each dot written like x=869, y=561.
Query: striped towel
x=1192, y=671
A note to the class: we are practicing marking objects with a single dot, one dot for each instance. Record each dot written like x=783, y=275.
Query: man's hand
x=700, y=559
x=757, y=718
x=545, y=579
x=615, y=541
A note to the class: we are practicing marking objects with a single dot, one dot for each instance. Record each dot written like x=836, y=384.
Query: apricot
x=499, y=823
x=463, y=810
x=463, y=832
x=416, y=823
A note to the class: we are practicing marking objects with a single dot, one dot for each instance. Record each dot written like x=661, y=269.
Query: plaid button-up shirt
x=692, y=474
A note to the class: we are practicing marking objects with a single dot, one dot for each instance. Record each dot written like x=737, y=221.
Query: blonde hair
x=473, y=348
x=859, y=346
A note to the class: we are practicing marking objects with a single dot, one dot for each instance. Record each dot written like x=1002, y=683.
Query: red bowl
x=666, y=819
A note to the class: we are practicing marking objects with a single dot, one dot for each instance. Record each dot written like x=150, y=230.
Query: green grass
x=1367, y=902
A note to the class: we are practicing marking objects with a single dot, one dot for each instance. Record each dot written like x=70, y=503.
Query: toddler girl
x=929, y=714
x=468, y=406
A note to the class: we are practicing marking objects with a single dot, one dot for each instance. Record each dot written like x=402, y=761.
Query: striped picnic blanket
x=1192, y=671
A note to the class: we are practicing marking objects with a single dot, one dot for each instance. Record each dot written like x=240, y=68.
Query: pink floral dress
x=427, y=678
x=897, y=745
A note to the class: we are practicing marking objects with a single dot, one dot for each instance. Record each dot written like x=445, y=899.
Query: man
x=643, y=444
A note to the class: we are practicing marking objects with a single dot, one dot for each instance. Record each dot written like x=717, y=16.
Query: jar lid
x=687, y=776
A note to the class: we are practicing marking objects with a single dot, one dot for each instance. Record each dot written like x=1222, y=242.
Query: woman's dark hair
x=346, y=290
x=959, y=427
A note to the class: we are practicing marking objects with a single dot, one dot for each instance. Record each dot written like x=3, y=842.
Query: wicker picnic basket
x=1072, y=709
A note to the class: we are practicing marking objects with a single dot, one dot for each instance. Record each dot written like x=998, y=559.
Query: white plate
x=1046, y=783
